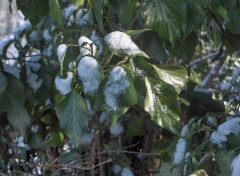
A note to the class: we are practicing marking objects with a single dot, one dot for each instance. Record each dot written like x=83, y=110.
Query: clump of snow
x=126, y=172
x=33, y=56
x=236, y=166
x=11, y=68
x=46, y=35
x=87, y=47
x=79, y=16
x=64, y=85
x=86, y=19
x=34, y=36
x=68, y=11
x=12, y=52
x=49, y=51
x=95, y=38
x=86, y=139
x=32, y=78
x=225, y=86
x=117, y=84
x=89, y=73
x=119, y=42
x=230, y=126
x=180, y=151
x=103, y=117
x=116, y=129
x=116, y=169
x=61, y=50
x=185, y=131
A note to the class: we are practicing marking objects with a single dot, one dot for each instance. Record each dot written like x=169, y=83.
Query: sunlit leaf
x=73, y=116
x=166, y=17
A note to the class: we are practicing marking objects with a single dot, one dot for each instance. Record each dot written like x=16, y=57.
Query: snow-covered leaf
x=122, y=45
x=64, y=85
x=73, y=116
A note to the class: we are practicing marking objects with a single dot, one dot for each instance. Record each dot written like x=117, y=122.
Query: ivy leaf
x=14, y=96
x=35, y=141
x=97, y=11
x=20, y=120
x=135, y=127
x=175, y=75
x=77, y=2
x=166, y=17
x=55, y=11
x=224, y=160
x=195, y=15
x=3, y=83
x=161, y=103
x=73, y=116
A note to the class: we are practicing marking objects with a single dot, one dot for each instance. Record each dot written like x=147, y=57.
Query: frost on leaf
x=180, y=151
x=61, y=50
x=121, y=44
x=68, y=11
x=116, y=129
x=235, y=166
x=87, y=47
x=89, y=73
x=64, y=85
x=117, y=84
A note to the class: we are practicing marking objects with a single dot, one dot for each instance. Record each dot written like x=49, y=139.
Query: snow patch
x=68, y=11
x=116, y=129
x=120, y=42
x=180, y=151
x=87, y=47
x=64, y=85
x=185, y=131
x=116, y=169
x=94, y=37
x=117, y=83
x=61, y=50
x=126, y=172
x=33, y=56
x=46, y=35
x=236, y=166
x=86, y=139
x=89, y=73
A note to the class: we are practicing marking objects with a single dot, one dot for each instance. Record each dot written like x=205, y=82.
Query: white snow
x=126, y=172
x=185, y=131
x=10, y=68
x=86, y=139
x=63, y=85
x=236, y=166
x=33, y=56
x=79, y=16
x=89, y=73
x=46, y=35
x=121, y=42
x=12, y=51
x=225, y=86
x=230, y=126
x=116, y=84
x=68, y=11
x=32, y=79
x=116, y=129
x=180, y=151
x=87, y=47
x=61, y=50
x=95, y=38
x=116, y=169
x=103, y=117
x=85, y=19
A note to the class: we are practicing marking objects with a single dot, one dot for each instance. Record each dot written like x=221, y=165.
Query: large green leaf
x=97, y=12
x=177, y=76
x=162, y=104
x=34, y=10
x=3, y=83
x=195, y=14
x=224, y=160
x=20, y=120
x=73, y=116
x=135, y=127
x=55, y=11
x=166, y=17
x=14, y=96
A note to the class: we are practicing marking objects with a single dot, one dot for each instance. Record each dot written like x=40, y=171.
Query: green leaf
x=166, y=17
x=233, y=142
x=73, y=116
x=3, y=83
x=34, y=10
x=53, y=141
x=136, y=33
x=224, y=160
x=14, y=96
x=35, y=141
x=195, y=15
x=234, y=14
x=97, y=12
x=162, y=104
x=177, y=76
x=55, y=11
x=69, y=157
x=20, y=120
x=135, y=127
